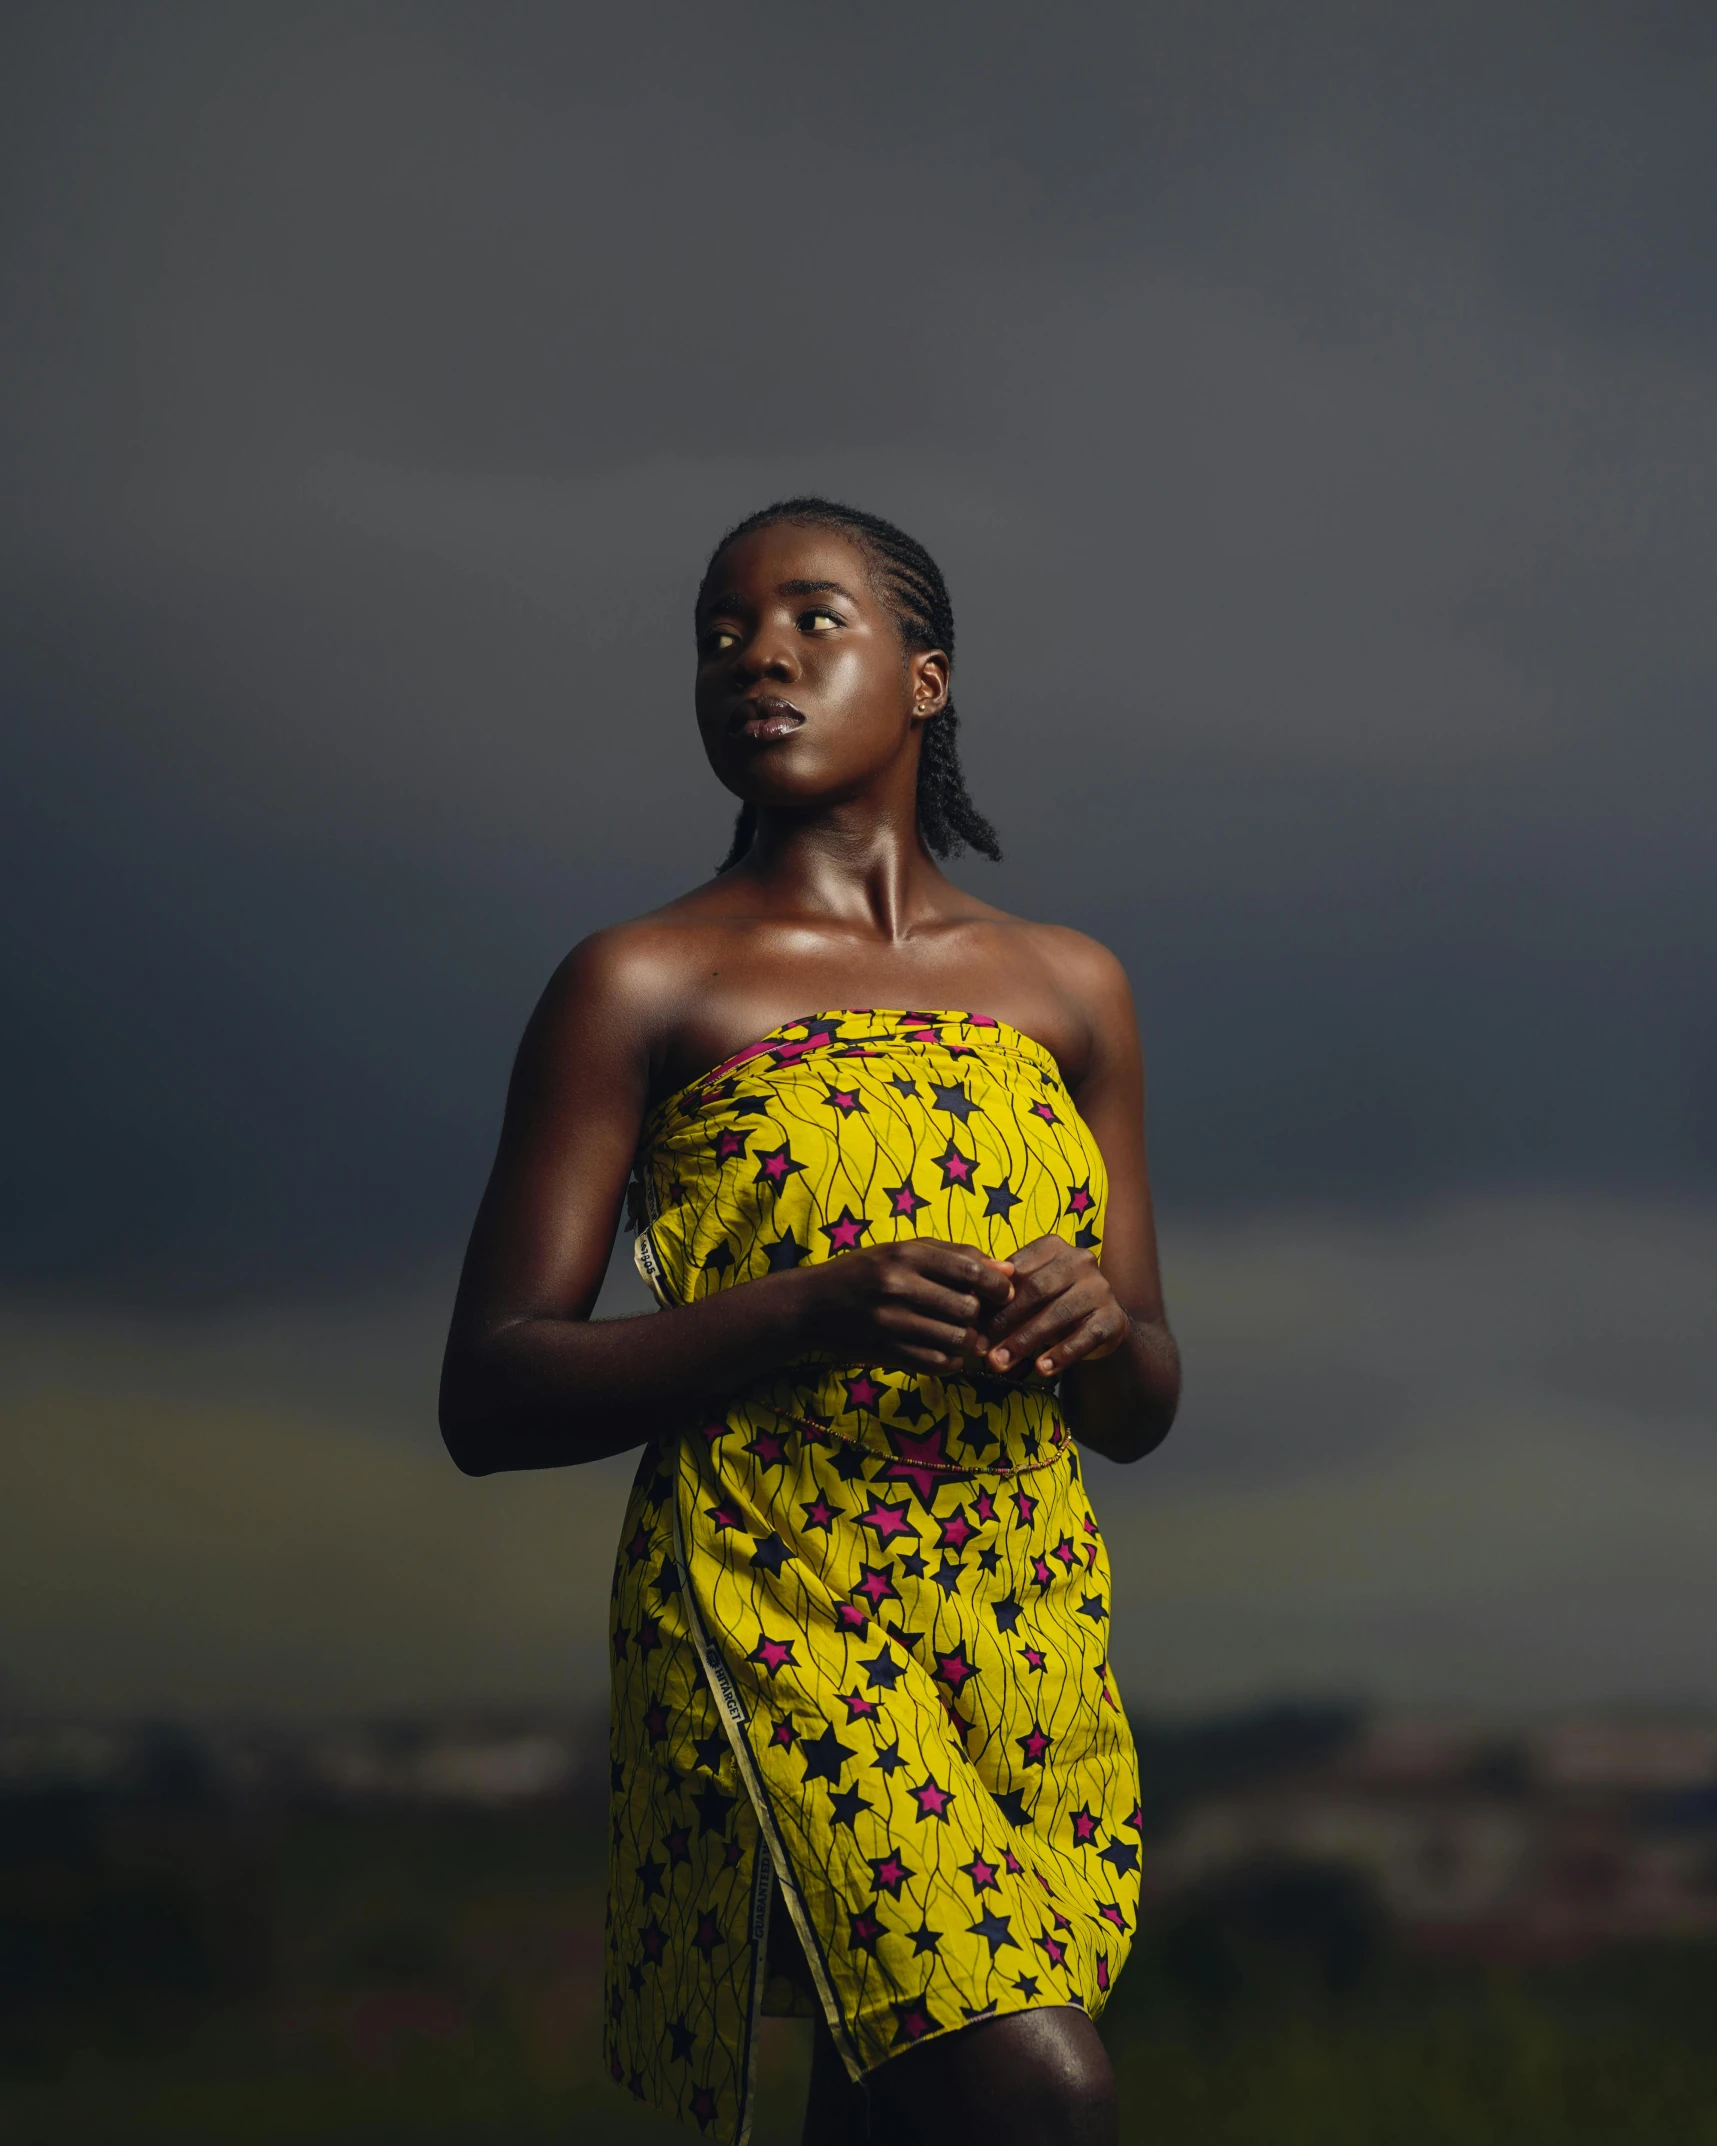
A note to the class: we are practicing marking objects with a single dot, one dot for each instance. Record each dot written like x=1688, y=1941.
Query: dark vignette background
x=1315, y=411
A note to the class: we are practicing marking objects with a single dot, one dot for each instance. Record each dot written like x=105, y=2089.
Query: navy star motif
x=770, y=1553
x=650, y=1876
x=913, y=1566
x=786, y=1252
x=904, y=1084
x=1011, y=1804
x=909, y=1405
x=993, y=1929
x=681, y=2037
x=849, y=1461
x=1092, y=1607
x=1087, y=1237
x=888, y=1760
x=713, y=1809
x=1026, y=1985
x=884, y=1673
x=924, y=1939
x=825, y=1756
x=990, y=1560
x=846, y=1803
x=711, y=1750
x=955, y=1101
x=999, y=1198
x=1007, y=1613
x=1121, y=1853
x=718, y=1261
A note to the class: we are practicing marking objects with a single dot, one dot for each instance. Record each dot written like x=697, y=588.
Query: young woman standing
x=869, y=1762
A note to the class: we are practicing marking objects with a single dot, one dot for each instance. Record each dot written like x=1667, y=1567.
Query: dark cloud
x=1316, y=412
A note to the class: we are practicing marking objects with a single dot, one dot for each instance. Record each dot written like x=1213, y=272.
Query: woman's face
x=805, y=690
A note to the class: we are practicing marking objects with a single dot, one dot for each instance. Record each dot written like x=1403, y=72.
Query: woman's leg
x=1039, y=2078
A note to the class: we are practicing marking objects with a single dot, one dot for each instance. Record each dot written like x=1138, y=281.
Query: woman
x=868, y=1758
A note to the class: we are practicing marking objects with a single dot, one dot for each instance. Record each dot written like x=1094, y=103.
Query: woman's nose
x=769, y=654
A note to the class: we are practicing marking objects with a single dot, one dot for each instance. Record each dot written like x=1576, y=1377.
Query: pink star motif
x=918, y=1035
x=1034, y=1743
x=1089, y=1525
x=858, y=1707
x=1033, y=1657
x=954, y=1668
x=863, y=1392
x=890, y=1874
x=957, y=1531
x=784, y=1734
x=851, y=1619
x=773, y=1654
x=845, y=1100
x=1012, y=1864
x=846, y=1232
x=775, y=1167
x=1055, y=1950
x=980, y=1020
x=956, y=1168
x=1102, y=1972
x=888, y=1521
x=1084, y=1827
x=1079, y=1200
x=1111, y=1913
x=916, y=1456
x=1025, y=1509
x=768, y=1449
x=1043, y=1111
x=714, y=1429
x=729, y=1144
x=915, y=2023
x=723, y=1518
x=982, y=1874
x=1064, y=1552
x=903, y=1200
x=1041, y=1573
x=819, y=1513
x=932, y=1800
x=877, y=1586
x=984, y=1505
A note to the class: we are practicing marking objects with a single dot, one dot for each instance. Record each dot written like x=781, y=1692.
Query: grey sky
x=1315, y=412
x=1316, y=416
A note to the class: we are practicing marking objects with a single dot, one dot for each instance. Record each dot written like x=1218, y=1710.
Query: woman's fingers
x=1099, y=1333
x=1051, y=1320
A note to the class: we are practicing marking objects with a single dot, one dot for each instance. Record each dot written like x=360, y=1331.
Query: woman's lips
x=765, y=718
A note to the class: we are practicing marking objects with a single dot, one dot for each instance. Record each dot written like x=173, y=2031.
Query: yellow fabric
x=861, y=1617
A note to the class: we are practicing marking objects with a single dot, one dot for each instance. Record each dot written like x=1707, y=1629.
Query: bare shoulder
x=610, y=1000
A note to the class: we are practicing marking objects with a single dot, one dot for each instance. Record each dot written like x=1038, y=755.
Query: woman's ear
x=928, y=674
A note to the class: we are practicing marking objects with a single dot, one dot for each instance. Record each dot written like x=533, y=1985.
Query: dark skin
x=810, y=704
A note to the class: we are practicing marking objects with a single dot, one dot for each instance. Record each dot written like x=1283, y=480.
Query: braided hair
x=910, y=583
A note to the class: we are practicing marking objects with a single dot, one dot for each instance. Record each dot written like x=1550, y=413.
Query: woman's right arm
x=529, y=1379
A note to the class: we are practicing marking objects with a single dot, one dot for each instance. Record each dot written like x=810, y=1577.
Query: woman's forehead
x=790, y=552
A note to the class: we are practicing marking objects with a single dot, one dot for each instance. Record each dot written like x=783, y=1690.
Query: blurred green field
x=185, y=1977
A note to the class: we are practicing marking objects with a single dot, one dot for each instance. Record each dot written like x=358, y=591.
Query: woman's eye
x=819, y=621
x=720, y=641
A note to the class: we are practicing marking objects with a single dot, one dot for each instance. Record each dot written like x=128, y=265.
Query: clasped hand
x=934, y=1306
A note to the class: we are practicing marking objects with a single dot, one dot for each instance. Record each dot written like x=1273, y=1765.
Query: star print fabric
x=860, y=1618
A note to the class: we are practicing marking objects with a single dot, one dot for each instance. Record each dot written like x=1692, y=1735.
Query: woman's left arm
x=1097, y=1319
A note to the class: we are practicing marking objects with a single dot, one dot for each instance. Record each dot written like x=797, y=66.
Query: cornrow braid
x=911, y=584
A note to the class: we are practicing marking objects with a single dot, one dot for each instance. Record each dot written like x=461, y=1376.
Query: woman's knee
x=1032, y=2077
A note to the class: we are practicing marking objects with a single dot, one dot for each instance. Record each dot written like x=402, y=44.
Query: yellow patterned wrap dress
x=860, y=1616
